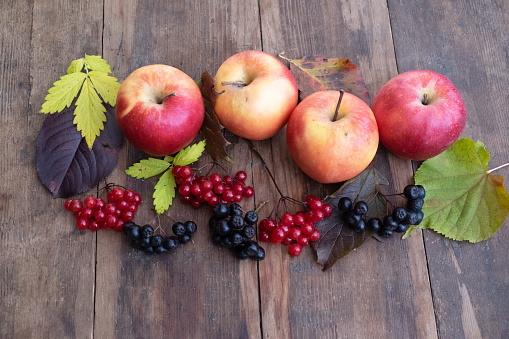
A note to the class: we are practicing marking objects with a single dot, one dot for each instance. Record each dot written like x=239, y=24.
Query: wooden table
x=59, y=282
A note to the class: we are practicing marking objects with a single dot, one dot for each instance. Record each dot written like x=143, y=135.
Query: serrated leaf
x=463, y=201
x=65, y=164
x=168, y=158
x=336, y=241
x=147, y=168
x=164, y=192
x=63, y=92
x=189, y=154
x=315, y=73
x=211, y=127
x=107, y=86
x=76, y=66
x=96, y=63
x=89, y=113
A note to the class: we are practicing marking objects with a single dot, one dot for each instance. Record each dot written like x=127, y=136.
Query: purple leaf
x=65, y=164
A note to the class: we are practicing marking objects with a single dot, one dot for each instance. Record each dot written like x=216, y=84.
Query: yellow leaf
x=96, y=63
x=76, y=66
x=164, y=192
x=63, y=92
x=89, y=113
x=105, y=85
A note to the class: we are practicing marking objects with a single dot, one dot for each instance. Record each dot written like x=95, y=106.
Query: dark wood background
x=59, y=282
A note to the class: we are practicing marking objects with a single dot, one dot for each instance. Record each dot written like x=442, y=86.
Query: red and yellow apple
x=332, y=147
x=257, y=94
x=419, y=114
x=159, y=109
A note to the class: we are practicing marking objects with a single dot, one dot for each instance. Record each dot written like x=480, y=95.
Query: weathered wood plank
x=200, y=290
x=46, y=263
x=467, y=42
x=381, y=290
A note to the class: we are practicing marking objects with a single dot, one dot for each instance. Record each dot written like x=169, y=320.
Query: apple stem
x=250, y=143
x=425, y=99
x=239, y=83
x=499, y=167
x=341, y=92
x=174, y=94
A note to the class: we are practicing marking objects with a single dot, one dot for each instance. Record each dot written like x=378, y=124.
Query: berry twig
x=255, y=151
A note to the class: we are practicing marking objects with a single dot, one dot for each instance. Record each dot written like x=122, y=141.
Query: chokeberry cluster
x=95, y=213
x=298, y=229
x=233, y=229
x=143, y=237
x=397, y=221
x=214, y=189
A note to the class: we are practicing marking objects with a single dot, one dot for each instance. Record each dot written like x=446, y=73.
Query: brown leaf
x=318, y=73
x=336, y=240
x=211, y=128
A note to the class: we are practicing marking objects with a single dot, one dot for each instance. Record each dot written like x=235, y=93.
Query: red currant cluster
x=214, y=189
x=95, y=213
x=298, y=229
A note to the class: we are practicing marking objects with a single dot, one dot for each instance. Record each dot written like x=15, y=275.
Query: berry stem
x=238, y=83
x=250, y=143
x=341, y=92
x=499, y=167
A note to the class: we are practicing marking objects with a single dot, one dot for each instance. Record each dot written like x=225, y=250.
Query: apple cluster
x=298, y=229
x=196, y=191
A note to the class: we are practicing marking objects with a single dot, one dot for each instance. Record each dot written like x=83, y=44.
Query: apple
x=159, y=109
x=256, y=94
x=332, y=136
x=419, y=114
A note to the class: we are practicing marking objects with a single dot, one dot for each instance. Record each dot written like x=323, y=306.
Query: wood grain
x=467, y=43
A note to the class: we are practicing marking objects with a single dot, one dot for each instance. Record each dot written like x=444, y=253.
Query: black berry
x=248, y=232
x=345, y=204
x=156, y=240
x=389, y=224
x=184, y=238
x=147, y=231
x=178, y=228
x=415, y=204
x=360, y=207
x=171, y=243
x=236, y=222
x=251, y=218
x=411, y=192
x=374, y=224
x=190, y=226
x=352, y=219
x=399, y=214
x=221, y=211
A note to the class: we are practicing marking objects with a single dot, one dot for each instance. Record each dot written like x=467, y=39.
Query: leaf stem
x=341, y=92
x=499, y=167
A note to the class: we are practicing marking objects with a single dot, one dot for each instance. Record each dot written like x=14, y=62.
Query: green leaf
x=164, y=192
x=147, y=168
x=168, y=158
x=463, y=201
x=189, y=154
x=63, y=92
x=96, y=63
x=89, y=113
x=105, y=85
x=76, y=66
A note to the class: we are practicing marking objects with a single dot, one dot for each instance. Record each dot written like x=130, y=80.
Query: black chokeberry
x=134, y=232
x=236, y=238
x=248, y=232
x=360, y=208
x=223, y=227
x=156, y=240
x=389, y=224
x=374, y=224
x=415, y=204
x=240, y=252
x=144, y=242
x=190, y=226
x=171, y=243
x=251, y=248
x=184, y=238
x=385, y=233
x=235, y=209
x=149, y=250
x=345, y=204
x=411, y=192
x=217, y=239
x=213, y=224
x=401, y=228
x=159, y=249
x=147, y=231
x=422, y=191
x=225, y=242
x=127, y=227
x=178, y=228
x=251, y=217
x=411, y=218
x=260, y=254
x=221, y=211
x=420, y=216
x=399, y=214
x=360, y=227
x=236, y=222
x=351, y=219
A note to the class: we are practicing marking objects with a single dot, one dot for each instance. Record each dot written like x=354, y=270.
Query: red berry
x=216, y=179
x=294, y=233
x=127, y=215
x=118, y=213
x=284, y=227
x=99, y=204
x=287, y=219
x=195, y=189
x=110, y=221
x=195, y=203
x=99, y=215
x=200, y=198
x=206, y=185
x=137, y=199
x=214, y=200
x=310, y=216
x=110, y=209
x=122, y=204
x=67, y=204
x=295, y=250
x=185, y=172
x=115, y=194
x=82, y=223
x=315, y=236
x=87, y=212
x=207, y=195
x=287, y=240
x=315, y=204
x=76, y=205
x=77, y=214
x=318, y=215
x=219, y=188
x=129, y=195
x=268, y=224
x=90, y=202
x=132, y=207
x=241, y=176
x=238, y=188
x=227, y=180
x=93, y=225
x=186, y=199
x=310, y=198
x=299, y=218
x=303, y=240
x=237, y=198
x=201, y=179
x=228, y=195
x=248, y=192
x=179, y=180
x=277, y=236
x=176, y=170
x=223, y=201
x=327, y=210
x=185, y=189
x=119, y=225
x=307, y=228
x=264, y=236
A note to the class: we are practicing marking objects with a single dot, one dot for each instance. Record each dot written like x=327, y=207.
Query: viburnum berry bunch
x=298, y=229
x=212, y=189
x=95, y=213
